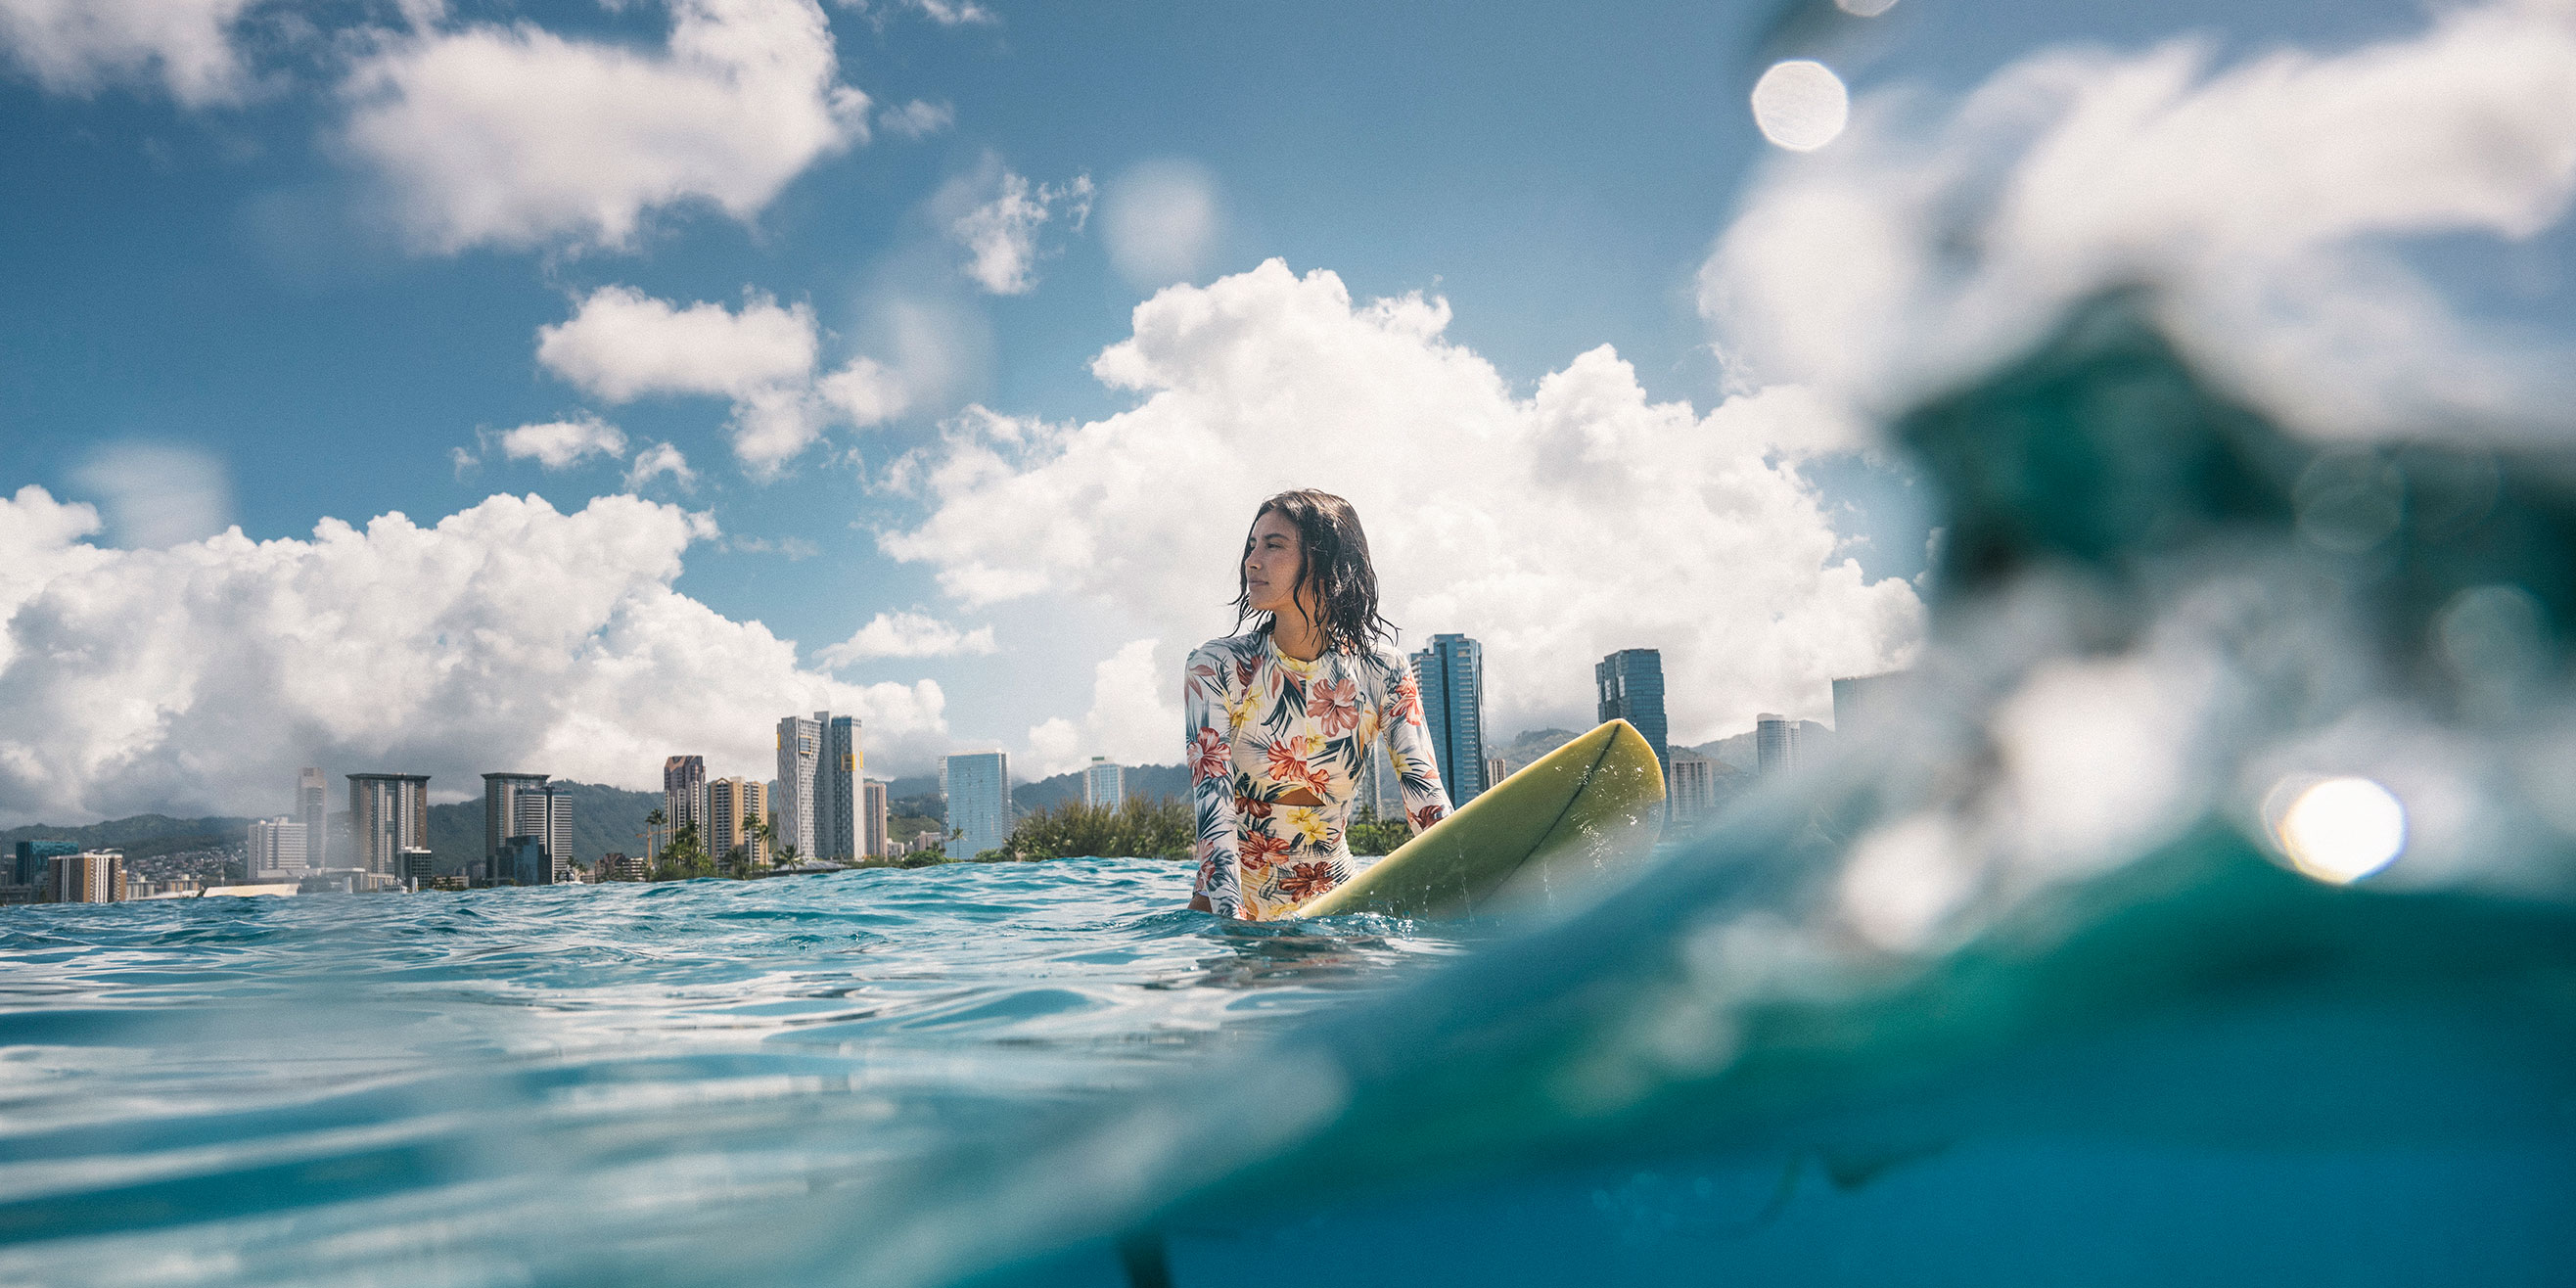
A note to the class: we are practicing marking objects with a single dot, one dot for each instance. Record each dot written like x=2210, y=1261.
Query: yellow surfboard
x=1582, y=811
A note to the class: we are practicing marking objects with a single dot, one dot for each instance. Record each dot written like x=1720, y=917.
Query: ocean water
x=485, y=1086
x=2050, y=972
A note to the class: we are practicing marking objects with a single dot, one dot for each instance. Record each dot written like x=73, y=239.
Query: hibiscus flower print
x=1303, y=881
x=1258, y=846
x=1335, y=706
x=1208, y=756
x=1286, y=766
x=1239, y=709
x=1309, y=823
x=1404, y=701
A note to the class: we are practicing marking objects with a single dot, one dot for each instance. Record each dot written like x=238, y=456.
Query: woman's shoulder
x=1228, y=649
x=1384, y=663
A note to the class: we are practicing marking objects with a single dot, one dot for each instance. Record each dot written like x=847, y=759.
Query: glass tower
x=837, y=824
x=1451, y=674
x=1631, y=683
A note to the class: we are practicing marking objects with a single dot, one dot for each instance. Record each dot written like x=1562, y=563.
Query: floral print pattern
x=1264, y=726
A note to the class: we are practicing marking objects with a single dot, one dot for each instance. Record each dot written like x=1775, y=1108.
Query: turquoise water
x=473, y=1087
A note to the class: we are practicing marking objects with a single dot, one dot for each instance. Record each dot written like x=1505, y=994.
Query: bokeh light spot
x=1864, y=8
x=2339, y=830
x=1800, y=104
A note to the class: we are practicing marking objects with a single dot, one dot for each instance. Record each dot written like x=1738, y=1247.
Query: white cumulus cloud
x=1000, y=234
x=562, y=444
x=1555, y=527
x=1135, y=716
x=621, y=344
x=78, y=46
x=509, y=635
x=514, y=136
x=2266, y=199
x=906, y=634
x=661, y=460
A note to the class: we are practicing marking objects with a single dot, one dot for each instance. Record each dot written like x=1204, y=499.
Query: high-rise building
x=418, y=868
x=684, y=798
x=800, y=779
x=35, y=860
x=546, y=814
x=1775, y=743
x=88, y=876
x=276, y=845
x=1451, y=675
x=978, y=784
x=313, y=810
x=1690, y=786
x=1495, y=771
x=873, y=805
x=1631, y=687
x=838, y=829
x=1104, y=785
x=501, y=807
x=729, y=802
x=523, y=861
x=388, y=813
x=1861, y=701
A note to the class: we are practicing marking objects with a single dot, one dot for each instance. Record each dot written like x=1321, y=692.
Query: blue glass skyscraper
x=34, y=859
x=1452, y=675
x=1631, y=682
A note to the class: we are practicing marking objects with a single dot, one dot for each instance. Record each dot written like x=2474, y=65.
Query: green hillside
x=140, y=835
x=603, y=819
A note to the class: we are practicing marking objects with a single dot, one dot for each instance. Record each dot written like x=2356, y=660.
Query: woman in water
x=1281, y=717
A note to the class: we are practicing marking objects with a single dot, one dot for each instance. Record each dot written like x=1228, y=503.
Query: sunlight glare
x=2339, y=830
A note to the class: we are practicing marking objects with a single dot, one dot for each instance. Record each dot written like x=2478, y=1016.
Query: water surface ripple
x=283, y=1090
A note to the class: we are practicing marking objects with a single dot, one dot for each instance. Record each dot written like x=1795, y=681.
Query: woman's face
x=1271, y=567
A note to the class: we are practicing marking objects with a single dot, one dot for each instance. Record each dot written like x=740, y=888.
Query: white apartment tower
x=1104, y=785
x=277, y=845
x=800, y=782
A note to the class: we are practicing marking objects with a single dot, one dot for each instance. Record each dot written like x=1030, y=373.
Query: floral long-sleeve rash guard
x=1262, y=725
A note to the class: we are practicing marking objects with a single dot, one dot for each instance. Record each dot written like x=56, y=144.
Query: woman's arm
x=1210, y=753
x=1408, y=740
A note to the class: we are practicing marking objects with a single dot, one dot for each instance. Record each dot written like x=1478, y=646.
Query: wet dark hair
x=1333, y=566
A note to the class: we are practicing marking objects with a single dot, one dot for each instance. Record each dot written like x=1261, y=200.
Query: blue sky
x=223, y=270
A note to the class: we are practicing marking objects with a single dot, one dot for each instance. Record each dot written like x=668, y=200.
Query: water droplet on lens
x=2348, y=502
x=1800, y=104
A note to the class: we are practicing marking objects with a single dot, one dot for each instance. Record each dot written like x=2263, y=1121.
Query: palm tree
x=761, y=832
x=653, y=828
